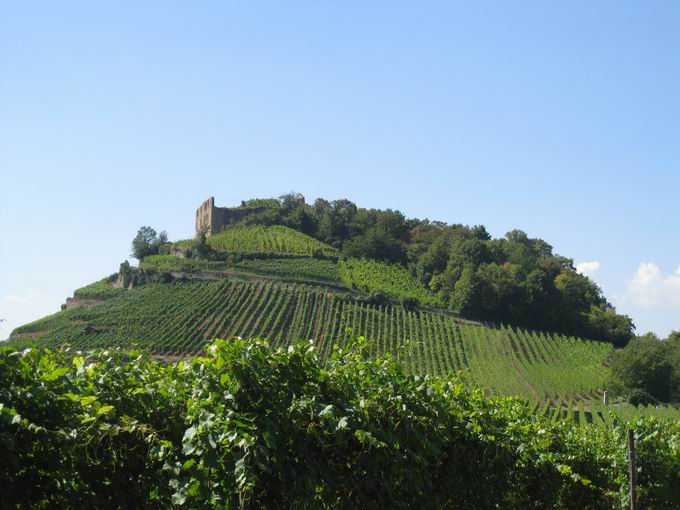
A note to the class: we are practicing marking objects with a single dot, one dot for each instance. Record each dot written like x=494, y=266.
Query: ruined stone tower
x=209, y=218
x=215, y=219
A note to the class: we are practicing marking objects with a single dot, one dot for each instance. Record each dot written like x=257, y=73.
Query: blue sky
x=559, y=118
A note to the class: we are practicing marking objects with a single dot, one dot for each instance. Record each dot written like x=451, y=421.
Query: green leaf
x=178, y=498
x=188, y=464
x=55, y=374
x=327, y=411
x=86, y=401
x=87, y=419
x=104, y=410
x=189, y=434
x=342, y=424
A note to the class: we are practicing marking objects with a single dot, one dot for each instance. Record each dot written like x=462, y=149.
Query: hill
x=273, y=281
x=562, y=377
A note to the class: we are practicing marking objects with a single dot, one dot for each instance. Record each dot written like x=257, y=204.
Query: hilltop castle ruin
x=213, y=219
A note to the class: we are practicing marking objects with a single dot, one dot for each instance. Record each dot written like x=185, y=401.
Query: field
x=561, y=377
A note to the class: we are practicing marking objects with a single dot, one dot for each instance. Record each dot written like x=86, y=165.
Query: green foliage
x=182, y=316
x=391, y=279
x=249, y=426
x=293, y=267
x=148, y=242
x=102, y=289
x=258, y=238
x=200, y=247
x=647, y=370
x=312, y=268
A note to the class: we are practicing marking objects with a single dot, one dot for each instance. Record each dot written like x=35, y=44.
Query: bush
x=409, y=303
x=249, y=426
x=638, y=396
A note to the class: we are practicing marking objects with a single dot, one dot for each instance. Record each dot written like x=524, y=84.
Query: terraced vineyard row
x=307, y=267
x=558, y=374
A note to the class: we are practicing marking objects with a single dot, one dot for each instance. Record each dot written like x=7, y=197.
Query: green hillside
x=369, y=276
x=410, y=293
x=561, y=377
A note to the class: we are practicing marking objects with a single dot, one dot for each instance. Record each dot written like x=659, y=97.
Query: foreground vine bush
x=247, y=426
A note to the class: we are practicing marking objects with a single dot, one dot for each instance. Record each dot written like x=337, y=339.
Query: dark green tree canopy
x=147, y=242
x=648, y=370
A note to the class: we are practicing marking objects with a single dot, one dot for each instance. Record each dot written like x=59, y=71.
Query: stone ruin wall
x=215, y=219
x=208, y=217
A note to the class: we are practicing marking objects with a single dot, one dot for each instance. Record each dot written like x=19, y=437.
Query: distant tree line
x=514, y=280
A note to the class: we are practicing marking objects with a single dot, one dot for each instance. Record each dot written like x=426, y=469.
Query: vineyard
x=251, y=426
x=391, y=279
x=365, y=275
x=274, y=239
x=98, y=290
x=290, y=267
x=561, y=377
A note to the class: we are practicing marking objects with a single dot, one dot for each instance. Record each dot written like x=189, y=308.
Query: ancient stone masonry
x=206, y=216
x=213, y=219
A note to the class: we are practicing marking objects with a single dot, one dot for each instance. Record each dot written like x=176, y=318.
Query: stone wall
x=214, y=219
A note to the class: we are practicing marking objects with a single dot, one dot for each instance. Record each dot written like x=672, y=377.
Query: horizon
x=559, y=120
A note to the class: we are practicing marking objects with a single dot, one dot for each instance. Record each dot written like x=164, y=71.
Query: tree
x=465, y=298
x=201, y=248
x=604, y=323
x=643, y=367
x=147, y=242
x=674, y=338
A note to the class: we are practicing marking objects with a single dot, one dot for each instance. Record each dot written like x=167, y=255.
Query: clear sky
x=561, y=118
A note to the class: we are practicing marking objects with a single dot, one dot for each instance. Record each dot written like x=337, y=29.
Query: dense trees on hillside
x=515, y=280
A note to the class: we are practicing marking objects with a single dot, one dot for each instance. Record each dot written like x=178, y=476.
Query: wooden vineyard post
x=631, y=469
